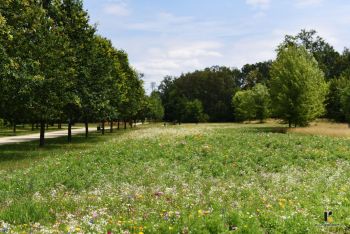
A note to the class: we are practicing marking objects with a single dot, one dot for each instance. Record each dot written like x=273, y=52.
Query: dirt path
x=36, y=136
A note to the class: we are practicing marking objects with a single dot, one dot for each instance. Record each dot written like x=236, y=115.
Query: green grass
x=206, y=178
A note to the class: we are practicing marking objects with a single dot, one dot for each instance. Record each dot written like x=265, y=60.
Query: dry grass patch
x=325, y=129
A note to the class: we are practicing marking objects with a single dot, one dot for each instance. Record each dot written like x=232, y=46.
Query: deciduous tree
x=298, y=88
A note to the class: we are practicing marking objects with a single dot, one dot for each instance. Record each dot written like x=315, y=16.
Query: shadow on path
x=19, y=155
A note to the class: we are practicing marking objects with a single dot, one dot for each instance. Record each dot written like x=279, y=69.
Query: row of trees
x=308, y=79
x=54, y=68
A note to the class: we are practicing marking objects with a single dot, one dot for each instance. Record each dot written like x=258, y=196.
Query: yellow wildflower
x=330, y=220
x=282, y=203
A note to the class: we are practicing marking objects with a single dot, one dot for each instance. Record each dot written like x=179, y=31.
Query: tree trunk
x=42, y=133
x=135, y=123
x=290, y=123
x=59, y=125
x=111, y=124
x=47, y=126
x=32, y=126
x=86, y=129
x=103, y=127
x=124, y=124
x=14, y=127
x=69, y=131
x=36, y=125
x=119, y=124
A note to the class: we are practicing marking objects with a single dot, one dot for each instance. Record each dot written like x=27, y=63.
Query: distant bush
x=194, y=112
x=252, y=104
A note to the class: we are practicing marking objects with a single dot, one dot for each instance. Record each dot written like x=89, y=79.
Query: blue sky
x=170, y=37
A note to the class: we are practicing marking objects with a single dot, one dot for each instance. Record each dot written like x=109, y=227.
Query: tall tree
x=298, y=88
x=130, y=89
x=156, y=109
x=326, y=56
x=75, y=21
x=37, y=50
x=16, y=77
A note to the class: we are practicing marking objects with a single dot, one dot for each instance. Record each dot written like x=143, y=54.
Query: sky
x=171, y=37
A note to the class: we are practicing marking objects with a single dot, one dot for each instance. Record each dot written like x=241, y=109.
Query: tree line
x=55, y=68
x=308, y=79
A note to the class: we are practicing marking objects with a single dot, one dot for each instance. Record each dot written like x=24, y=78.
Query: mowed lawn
x=205, y=178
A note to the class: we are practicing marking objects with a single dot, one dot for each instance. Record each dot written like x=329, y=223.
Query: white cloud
x=198, y=49
x=163, y=21
x=117, y=9
x=173, y=58
x=307, y=3
x=172, y=41
x=253, y=49
x=263, y=4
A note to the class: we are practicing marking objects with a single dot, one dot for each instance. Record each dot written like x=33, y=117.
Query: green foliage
x=326, y=56
x=194, y=112
x=345, y=101
x=262, y=102
x=335, y=105
x=54, y=68
x=213, y=87
x=253, y=74
x=244, y=104
x=334, y=65
x=298, y=88
x=252, y=104
x=156, y=109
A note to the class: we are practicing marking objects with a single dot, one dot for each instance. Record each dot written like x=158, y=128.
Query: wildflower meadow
x=199, y=178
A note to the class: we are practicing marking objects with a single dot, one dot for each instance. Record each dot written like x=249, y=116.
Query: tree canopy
x=213, y=87
x=252, y=104
x=55, y=68
x=298, y=88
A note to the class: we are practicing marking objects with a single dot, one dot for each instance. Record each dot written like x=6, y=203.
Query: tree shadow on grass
x=281, y=130
x=21, y=154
